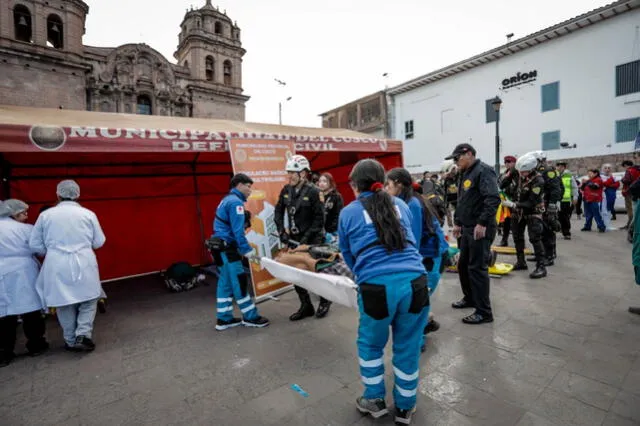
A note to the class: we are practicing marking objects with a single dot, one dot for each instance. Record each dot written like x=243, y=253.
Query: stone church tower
x=43, y=63
x=210, y=47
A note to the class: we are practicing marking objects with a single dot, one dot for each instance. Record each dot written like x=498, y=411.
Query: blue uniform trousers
x=233, y=284
x=433, y=277
x=373, y=334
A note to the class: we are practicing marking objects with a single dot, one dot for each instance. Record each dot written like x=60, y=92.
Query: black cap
x=627, y=163
x=562, y=163
x=461, y=149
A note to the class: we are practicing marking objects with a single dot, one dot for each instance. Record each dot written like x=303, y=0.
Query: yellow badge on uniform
x=551, y=174
x=536, y=190
x=466, y=184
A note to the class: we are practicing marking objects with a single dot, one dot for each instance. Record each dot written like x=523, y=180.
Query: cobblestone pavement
x=562, y=351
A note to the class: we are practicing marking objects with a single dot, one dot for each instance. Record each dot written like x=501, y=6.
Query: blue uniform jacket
x=229, y=222
x=356, y=232
x=431, y=246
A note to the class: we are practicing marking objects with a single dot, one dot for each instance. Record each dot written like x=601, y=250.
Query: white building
x=577, y=82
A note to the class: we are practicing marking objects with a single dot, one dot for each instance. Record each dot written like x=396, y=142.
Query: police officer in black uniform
x=305, y=212
x=475, y=228
x=508, y=185
x=553, y=192
x=527, y=208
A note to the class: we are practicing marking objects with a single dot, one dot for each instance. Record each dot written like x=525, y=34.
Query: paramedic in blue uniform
x=228, y=245
x=475, y=228
x=378, y=245
x=425, y=223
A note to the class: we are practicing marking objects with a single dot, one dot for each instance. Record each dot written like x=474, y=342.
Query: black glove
x=284, y=238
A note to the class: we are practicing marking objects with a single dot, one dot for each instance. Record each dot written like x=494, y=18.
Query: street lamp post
x=280, y=109
x=496, y=103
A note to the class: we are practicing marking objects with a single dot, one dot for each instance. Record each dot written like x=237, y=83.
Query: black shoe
x=42, y=349
x=84, y=344
x=375, y=407
x=634, y=310
x=567, y=237
x=403, y=417
x=224, y=325
x=323, y=309
x=306, y=310
x=539, y=272
x=102, y=306
x=602, y=230
x=5, y=359
x=72, y=348
x=477, y=319
x=432, y=326
x=461, y=304
x=586, y=230
x=520, y=266
x=256, y=323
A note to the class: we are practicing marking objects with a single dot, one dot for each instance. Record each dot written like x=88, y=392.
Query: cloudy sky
x=330, y=52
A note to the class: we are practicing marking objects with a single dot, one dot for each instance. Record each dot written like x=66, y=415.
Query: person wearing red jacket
x=611, y=186
x=632, y=174
x=592, y=194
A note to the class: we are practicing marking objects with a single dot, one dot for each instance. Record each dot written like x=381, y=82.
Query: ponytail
x=368, y=175
x=409, y=190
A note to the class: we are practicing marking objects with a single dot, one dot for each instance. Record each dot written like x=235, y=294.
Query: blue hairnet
x=68, y=189
x=12, y=207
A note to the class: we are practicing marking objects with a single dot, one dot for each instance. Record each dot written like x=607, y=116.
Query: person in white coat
x=67, y=235
x=18, y=274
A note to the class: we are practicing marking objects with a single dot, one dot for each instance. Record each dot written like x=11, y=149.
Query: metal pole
x=498, y=143
x=280, y=113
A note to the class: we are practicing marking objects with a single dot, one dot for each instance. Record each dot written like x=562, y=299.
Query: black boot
x=306, y=309
x=540, y=271
x=520, y=265
x=323, y=308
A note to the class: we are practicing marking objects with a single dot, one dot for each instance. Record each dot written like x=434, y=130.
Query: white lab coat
x=18, y=270
x=68, y=234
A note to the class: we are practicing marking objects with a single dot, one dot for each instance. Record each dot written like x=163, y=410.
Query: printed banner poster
x=263, y=161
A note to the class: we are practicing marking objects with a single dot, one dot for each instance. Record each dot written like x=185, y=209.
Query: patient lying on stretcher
x=319, y=258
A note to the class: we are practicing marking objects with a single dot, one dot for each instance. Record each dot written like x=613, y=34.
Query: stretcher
x=337, y=289
x=503, y=250
x=496, y=269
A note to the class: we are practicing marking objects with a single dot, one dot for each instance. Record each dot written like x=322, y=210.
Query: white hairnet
x=68, y=189
x=12, y=207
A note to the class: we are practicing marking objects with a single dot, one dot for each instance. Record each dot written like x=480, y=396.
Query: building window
x=186, y=64
x=408, y=129
x=490, y=113
x=209, y=68
x=352, y=117
x=22, y=23
x=551, y=96
x=54, y=32
x=331, y=122
x=627, y=130
x=217, y=28
x=227, y=72
x=551, y=140
x=370, y=111
x=144, y=105
x=628, y=78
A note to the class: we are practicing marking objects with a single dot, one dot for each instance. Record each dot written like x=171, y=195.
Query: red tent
x=153, y=181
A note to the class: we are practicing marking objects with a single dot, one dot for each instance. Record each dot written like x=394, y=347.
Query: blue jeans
x=592, y=211
x=373, y=334
x=77, y=320
x=233, y=284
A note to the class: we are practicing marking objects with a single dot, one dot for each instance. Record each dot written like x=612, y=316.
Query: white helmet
x=527, y=163
x=538, y=155
x=447, y=166
x=297, y=163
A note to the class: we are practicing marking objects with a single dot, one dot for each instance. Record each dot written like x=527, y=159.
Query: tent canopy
x=153, y=181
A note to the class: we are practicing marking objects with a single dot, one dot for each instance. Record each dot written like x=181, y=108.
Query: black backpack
x=181, y=276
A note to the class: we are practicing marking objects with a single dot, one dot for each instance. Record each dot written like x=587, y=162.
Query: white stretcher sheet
x=337, y=289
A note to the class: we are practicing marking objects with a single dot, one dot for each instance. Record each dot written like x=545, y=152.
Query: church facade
x=43, y=63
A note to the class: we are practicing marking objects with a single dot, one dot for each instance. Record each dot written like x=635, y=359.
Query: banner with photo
x=264, y=161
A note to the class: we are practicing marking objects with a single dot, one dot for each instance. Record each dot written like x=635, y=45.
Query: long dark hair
x=403, y=177
x=368, y=175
